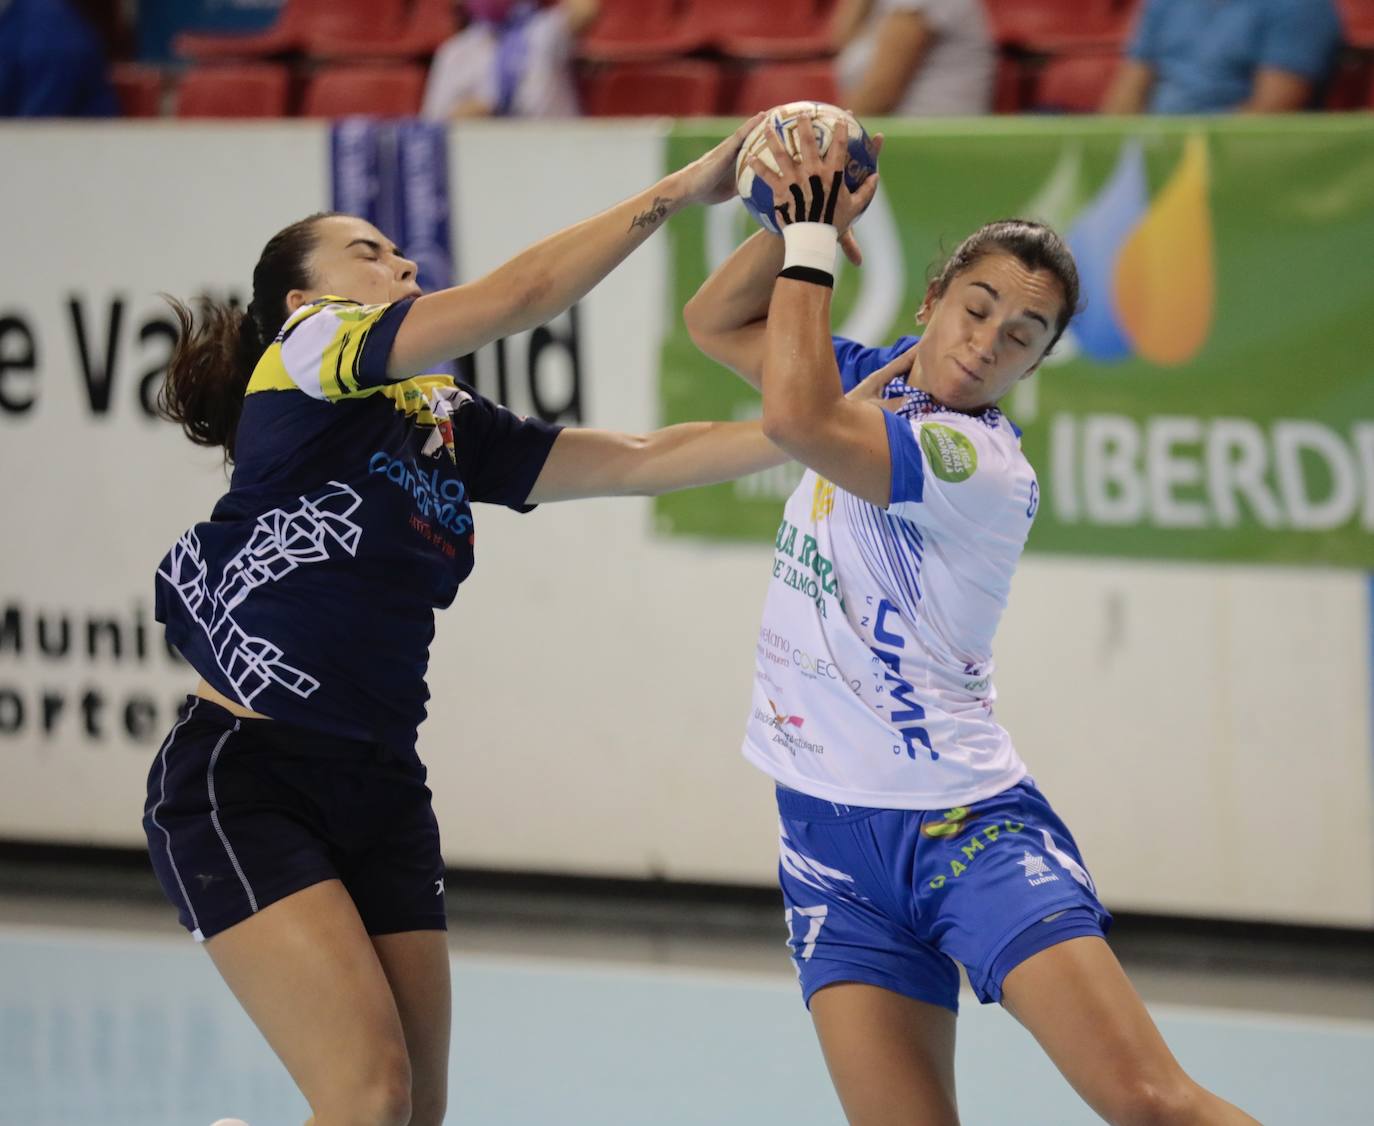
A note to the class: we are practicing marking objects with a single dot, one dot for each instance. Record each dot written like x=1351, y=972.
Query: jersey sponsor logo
x=822, y=500
x=803, y=568
x=784, y=735
x=951, y=455
x=442, y=499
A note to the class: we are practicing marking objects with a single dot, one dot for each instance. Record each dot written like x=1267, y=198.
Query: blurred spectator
x=52, y=63
x=914, y=57
x=514, y=59
x=1246, y=56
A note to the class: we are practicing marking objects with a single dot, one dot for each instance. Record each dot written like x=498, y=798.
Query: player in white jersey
x=912, y=837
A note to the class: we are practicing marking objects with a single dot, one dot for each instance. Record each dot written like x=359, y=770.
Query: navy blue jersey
x=309, y=595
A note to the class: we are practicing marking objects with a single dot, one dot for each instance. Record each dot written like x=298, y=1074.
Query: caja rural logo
x=1146, y=265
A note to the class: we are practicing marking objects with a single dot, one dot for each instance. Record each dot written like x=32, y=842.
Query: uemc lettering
x=971, y=850
x=441, y=498
x=900, y=689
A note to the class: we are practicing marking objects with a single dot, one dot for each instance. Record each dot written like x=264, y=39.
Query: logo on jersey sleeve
x=951, y=455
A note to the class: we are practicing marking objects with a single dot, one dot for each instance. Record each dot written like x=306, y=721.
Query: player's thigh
x=416, y=964
x=306, y=972
x=1077, y=1002
x=890, y=1057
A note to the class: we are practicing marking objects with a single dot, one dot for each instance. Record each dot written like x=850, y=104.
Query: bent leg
x=306, y=972
x=416, y=964
x=890, y=1057
x=1075, y=999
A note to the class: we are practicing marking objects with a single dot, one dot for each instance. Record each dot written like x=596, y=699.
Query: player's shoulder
x=975, y=458
x=863, y=359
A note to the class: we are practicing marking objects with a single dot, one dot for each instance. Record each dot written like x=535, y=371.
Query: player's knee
x=1154, y=1101
x=379, y=1096
x=428, y=1108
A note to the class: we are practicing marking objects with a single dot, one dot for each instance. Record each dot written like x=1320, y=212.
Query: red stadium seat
x=1357, y=18
x=300, y=23
x=378, y=91
x=1009, y=85
x=243, y=90
x=627, y=30
x=138, y=88
x=1350, y=82
x=427, y=25
x=683, y=88
x=1074, y=83
x=772, y=84
x=769, y=29
x=1060, y=25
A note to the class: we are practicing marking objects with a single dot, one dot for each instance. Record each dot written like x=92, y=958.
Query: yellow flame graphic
x=1164, y=285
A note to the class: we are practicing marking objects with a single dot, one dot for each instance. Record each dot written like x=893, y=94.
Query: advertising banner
x=1214, y=399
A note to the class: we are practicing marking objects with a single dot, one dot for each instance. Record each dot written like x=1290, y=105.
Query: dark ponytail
x=217, y=352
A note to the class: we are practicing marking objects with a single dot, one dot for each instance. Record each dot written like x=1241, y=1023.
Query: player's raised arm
x=725, y=317
x=804, y=409
x=543, y=280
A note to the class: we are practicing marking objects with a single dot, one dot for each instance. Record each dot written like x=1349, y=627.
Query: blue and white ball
x=782, y=120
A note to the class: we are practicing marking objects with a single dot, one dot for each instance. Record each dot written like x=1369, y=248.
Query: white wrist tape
x=811, y=246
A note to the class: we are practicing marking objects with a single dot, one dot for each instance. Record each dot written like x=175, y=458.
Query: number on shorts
x=808, y=941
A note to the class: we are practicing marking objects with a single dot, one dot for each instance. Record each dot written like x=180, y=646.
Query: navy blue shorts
x=244, y=812
x=893, y=898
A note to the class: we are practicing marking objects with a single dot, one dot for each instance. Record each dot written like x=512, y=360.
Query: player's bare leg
x=891, y=1058
x=1075, y=999
x=416, y=964
x=305, y=970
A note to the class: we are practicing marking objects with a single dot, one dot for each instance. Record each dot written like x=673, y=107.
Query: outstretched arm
x=600, y=463
x=540, y=282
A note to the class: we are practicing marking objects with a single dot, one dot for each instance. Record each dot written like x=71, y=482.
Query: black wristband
x=809, y=274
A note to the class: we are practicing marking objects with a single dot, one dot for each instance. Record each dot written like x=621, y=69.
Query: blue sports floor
x=135, y=1029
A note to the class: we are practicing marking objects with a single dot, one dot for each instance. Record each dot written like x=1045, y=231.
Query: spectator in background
x=914, y=57
x=52, y=63
x=514, y=59
x=1243, y=56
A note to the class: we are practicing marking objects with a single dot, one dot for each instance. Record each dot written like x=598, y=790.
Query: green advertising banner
x=1215, y=398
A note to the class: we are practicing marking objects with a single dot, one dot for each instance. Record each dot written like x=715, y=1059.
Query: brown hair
x=215, y=356
x=1037, y=246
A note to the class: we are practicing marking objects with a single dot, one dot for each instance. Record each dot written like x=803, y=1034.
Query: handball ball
x=782, y=120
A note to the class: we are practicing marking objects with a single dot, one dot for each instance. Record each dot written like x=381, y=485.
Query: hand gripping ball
x=782, y=120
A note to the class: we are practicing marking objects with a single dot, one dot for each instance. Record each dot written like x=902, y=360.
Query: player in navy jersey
x=911, y=835
x=302, y=848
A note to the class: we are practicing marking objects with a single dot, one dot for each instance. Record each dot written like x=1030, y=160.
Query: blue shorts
x=244, y=812
x=893, y=898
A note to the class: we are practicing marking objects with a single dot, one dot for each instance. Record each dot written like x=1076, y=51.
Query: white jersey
x=873, y=672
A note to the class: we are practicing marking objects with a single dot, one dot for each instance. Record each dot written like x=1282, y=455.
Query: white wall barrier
x=1205, y=730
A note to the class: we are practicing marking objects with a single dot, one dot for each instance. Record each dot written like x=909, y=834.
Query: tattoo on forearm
x=656, y=211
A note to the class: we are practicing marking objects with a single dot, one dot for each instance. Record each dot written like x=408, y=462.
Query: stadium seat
x=1074, y=83
x=682, y=88
x=242, y=90
x=769, y=29
x=138, y=88
x=1357, y=18
x=1060, y=25
x=771, y=84
x=378, y=91
x=300, y=23
x=1350, y=82
x=246, y=89
x=626, y=30
x=428, y=24
x=1009, y=85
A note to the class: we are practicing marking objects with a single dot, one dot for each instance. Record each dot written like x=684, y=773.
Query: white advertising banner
x=590, y=685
